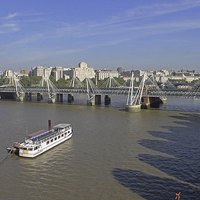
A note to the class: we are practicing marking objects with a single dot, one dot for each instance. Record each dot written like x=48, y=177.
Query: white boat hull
x=43, y=147
x=41, y=141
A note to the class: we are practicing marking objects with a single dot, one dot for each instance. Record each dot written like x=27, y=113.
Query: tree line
x=35, y=81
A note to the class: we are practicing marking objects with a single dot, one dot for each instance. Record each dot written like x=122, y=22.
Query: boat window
x=51, y=140
x=30, y=149
x=68, y=131
x=24, y=148
x=47, y=142
x=62, y=135
x=59, y=137
x=35, y=148
x=55, y=138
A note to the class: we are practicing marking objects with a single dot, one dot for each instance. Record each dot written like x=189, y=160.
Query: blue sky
x=135, y=34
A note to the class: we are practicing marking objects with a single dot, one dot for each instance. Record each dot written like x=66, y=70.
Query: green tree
x=61, y=83
x=4, y=81
x=53, y=80
x=30, y=81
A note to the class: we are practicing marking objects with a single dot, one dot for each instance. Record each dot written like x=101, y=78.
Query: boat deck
x=49, y=134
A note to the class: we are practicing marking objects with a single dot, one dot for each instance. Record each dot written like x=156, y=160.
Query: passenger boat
x=38, y=142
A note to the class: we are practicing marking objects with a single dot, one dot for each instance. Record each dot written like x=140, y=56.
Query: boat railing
x=49, y=135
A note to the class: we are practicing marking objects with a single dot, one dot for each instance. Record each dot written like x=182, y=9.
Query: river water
x=113, y=154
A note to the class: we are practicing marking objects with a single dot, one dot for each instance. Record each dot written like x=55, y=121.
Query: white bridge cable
x=18, y=86
x=51, y=88
x=91, y=88
x=110, y=82
x=75, y=80
x=136, y=99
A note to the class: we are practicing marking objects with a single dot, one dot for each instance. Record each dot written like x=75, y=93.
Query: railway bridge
x=148, y=93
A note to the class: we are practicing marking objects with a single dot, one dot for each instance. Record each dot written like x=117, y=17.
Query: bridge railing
x=180, y=93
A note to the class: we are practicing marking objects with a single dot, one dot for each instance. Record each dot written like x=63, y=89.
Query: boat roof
x=61, y=125
x=36, y=133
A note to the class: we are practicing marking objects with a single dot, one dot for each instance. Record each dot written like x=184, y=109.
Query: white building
x=139, y=73
x=102, y=74
x=37, y=71
x=47, y=71
x=57, y=72
x=67, y=73
x=81, y=71
x=7, y=73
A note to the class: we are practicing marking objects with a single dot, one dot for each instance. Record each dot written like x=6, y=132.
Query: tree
x=52, y=79
x=31, y=81
x=4, y=81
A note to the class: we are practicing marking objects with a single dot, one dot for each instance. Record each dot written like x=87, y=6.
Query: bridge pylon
x=75, y=81
x=51, y=88
x=92, y=90
x=20, y=91
x=134, y=101
x=110, y=82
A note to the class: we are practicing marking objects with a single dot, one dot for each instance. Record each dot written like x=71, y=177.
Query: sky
x=106, y=34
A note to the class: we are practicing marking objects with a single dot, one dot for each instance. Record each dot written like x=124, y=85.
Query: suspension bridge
x=148, y=92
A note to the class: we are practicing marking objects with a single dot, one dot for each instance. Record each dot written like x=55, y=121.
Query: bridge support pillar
x=97, y=99
x=155, y=102
x=90, y=102
x=20, y=98
x=39, y=97
x=145, y=102
x=26, y=96
x=70, y=98
x=8, y=95
x=30, y=96
x=51, y=100
x=59, y=97
x=163, y=100
x=107, y=100
x=133, y=108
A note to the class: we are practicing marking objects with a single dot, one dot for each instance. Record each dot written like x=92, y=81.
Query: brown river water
x=113, y=154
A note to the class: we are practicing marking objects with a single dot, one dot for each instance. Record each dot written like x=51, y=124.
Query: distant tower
x=121, y=69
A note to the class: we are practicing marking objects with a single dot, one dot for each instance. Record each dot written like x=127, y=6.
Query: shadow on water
x=181, y=142
x=153, y=187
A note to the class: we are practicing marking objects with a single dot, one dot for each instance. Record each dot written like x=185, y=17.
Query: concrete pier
x=145, y=103
x=28, y=96
x=155, y=102
x=133, y=108
x=59, y=97
x=163, y=100
x=90, y=102
x=19, y=98
x=107, y=100
x=51, y=100
x=7, y=95
x=39, y=97
x=70, y=98
x=97, y=99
